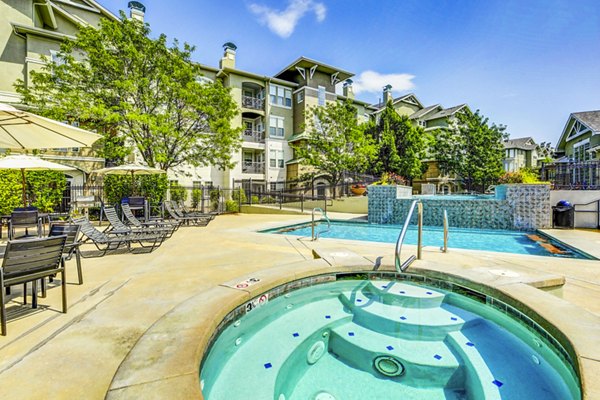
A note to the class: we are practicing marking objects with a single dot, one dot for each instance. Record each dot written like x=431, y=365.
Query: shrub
x=116, y=187
x=239, y=195
x=232, y=206
x=10, y=191
x=44, y=190
x=196, y=197
x=215, y=197
x=254, y=199
x=524, y=175
x=390, y=178
x=178, y=192
x=152, y=187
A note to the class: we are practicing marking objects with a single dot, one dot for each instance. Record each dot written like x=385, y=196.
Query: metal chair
x=27, y=261
x=72, y=244
x=24, y=219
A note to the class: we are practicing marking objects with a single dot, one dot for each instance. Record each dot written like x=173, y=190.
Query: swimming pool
x=503, y=241
x=357, y=339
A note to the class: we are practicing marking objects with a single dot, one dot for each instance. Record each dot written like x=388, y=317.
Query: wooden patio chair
x=27, y=261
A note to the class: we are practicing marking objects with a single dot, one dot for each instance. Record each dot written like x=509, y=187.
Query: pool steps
x=282, y=359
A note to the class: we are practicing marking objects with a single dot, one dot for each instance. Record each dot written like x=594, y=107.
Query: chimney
x=387, y=94
x=347, y=89
x=136, y=10
x=228, y=60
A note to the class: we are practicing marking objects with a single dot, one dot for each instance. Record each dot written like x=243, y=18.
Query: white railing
x=253, y=102
x=254, y=136
x=253, y=167
x=402, y=266
x=323, y=215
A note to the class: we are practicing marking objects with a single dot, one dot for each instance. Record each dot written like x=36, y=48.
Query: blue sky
x=524, y=64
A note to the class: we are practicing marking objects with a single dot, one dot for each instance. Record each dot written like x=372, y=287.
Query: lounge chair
x=200, y=220
x=113, y=240
x=27, y=261
x=169, y=227
x=118, y=226
x=182, y=211
x=72, y=244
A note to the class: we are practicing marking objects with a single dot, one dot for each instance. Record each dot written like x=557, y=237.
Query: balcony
x=253, y=103
x=249, y=167
x=251, y=135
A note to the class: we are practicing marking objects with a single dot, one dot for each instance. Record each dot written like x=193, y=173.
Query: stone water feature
x=516, y=206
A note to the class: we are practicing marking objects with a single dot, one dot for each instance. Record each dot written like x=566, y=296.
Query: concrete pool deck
x=139, y=324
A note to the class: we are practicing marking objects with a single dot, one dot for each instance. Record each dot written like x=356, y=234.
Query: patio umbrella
x=24, y=162
x=24, y=130
x=130, y=169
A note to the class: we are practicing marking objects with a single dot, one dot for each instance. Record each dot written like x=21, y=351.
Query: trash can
x=563, y=215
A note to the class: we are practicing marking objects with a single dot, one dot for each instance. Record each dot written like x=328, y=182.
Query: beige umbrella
x=24, y=130
x=24, y=162
x=130, y=169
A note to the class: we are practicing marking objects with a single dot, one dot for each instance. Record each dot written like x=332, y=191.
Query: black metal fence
x=573, y=176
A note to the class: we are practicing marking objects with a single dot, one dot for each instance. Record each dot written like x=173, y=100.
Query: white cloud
x=284, y=22
x=373, y=82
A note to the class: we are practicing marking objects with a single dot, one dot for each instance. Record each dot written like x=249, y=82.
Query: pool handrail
x=402, y=266
x=445, y=246
x=314, y=237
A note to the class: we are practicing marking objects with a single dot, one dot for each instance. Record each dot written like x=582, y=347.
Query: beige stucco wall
x=582, y=220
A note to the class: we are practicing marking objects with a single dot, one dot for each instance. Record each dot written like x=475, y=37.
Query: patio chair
x=27, y=261
x=24, y=219
x=117, y=226
x=182, y=211
x=113, y=240
x=169, y=227
x=72, y=244
x=188, y=220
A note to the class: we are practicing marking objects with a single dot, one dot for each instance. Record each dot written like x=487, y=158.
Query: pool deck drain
x=141, y=322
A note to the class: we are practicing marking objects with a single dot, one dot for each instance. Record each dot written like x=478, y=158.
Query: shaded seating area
x=196, y=220
x=113, y=240
x=29, y=261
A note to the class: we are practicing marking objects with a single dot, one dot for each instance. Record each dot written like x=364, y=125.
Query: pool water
x=358, y=339
x=463, y=238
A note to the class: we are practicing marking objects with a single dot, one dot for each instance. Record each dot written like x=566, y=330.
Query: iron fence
x=573, y=176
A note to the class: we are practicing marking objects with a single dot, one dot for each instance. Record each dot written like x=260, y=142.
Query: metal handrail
x=445, y=246
x=323, y=215
x=402, y=266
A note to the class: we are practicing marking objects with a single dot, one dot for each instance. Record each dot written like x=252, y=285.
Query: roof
x=524, y=143
x=304, y=62
x=446, y=112
x=423, y=111
x=381, y=106
x=589, y=118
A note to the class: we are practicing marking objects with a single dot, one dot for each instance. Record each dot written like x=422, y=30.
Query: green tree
x=126, y=85
x=400, y=144
x=472, y=149
x=336, y=143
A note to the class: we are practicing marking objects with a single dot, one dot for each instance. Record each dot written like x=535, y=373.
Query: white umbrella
x=24, y=130
x=24, y=162
x=130, y=169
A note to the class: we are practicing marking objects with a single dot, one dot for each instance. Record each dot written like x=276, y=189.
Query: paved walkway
x=130, y=302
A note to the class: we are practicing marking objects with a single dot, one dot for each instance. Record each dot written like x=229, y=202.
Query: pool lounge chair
x=200, y=220
x=113, y=240
x=118, y=226
x=182, y=211
x=28, y=261
x=169, y=226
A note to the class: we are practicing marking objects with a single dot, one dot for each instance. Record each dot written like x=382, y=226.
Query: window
x=299, y=97
x=276, y=158
x=280, y=96
x=197, y=184
x=276, y=128
x=56, y=58
x=321, y=95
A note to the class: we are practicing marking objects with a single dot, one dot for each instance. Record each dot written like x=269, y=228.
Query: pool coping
x=165, y=362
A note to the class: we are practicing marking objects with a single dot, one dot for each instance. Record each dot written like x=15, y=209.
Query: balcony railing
x=253, y=102
x=249, y=167
x=251, y=135
x=573, y=175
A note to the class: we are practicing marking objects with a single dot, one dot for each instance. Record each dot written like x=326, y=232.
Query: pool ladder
x=402, y=266
x=323, y=215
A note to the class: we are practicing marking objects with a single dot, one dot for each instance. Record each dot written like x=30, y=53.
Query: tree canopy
x=335, y=143
x=132, y=88
x=400, y=144
x=472, y=149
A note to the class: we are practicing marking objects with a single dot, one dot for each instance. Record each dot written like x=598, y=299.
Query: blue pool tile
x=470, y=344
x=268, y=365
x=437, y=357
x=428, y=292
x=358, y=300
x=390, y=348
x=295, y=334
x=328, y=316
x=497, y=383
x=403, y=318
x=454, y=318
x=350, y=333
x=384, y=286
x=402, y=292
